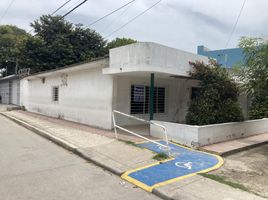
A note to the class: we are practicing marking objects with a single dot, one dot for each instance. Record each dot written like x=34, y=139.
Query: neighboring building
x=225, y=57
x=88, y=93
x=10, y=90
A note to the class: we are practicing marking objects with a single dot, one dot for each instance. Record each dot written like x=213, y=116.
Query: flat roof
x=74, y=67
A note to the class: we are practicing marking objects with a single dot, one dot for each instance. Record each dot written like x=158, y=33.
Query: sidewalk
x=90, y=143
x=99, y=147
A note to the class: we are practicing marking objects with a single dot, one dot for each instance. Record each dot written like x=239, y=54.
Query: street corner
x=185, y=163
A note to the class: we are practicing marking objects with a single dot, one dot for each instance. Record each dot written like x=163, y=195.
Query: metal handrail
x=138, y=135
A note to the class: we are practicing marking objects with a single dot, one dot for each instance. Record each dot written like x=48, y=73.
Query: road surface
x=32, y=167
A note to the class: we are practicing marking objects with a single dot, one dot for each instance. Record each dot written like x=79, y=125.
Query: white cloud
x=177, y=23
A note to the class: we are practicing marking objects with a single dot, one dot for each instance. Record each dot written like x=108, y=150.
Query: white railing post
x=115, y=131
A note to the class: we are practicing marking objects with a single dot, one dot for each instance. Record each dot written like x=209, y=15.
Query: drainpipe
x=151, y=108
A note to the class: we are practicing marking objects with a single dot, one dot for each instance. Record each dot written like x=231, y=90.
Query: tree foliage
x=12, y=39
x=217, y=99
x=118, y=42
x=254, y=74
x=57, y=43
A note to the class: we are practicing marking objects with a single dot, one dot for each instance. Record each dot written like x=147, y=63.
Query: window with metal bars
x=195, y=92
x=140, y=98
x=55, y=94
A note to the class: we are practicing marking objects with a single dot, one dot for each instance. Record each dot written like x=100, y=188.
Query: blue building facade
x=225, y=57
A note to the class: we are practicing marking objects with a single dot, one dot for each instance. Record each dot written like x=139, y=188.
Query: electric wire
x=7, y=9
x=132, y=19
x=96, y=21
x=70, y=11
x=65, y=3
x=235, y=25
x=117, y=17
x=60, y=7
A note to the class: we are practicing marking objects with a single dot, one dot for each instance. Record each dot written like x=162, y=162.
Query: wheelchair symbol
x=187, y=165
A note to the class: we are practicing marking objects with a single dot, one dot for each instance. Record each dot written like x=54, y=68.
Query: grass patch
x=128, y=142
x=160, y=156
x=222, y=180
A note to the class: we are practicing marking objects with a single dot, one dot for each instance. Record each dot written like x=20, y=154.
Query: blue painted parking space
x=185, y=162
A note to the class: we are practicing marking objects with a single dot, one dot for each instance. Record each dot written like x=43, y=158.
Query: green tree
x=12, y=39
x=254, y=74
x=217, y=99
x=57, y=43
x=118, y=42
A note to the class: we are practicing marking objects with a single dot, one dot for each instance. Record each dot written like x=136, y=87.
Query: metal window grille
x=140, y=98
x=55, y=94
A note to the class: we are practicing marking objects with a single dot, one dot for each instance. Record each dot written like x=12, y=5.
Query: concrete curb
x=158, y=193
x=68, y=146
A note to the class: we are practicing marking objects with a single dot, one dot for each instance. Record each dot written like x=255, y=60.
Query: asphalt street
x=32, y=167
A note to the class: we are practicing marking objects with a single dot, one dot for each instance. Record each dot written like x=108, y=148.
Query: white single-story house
x=89, y=92
x=10, y=90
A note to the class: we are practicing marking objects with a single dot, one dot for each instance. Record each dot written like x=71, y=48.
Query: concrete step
x=233, y=146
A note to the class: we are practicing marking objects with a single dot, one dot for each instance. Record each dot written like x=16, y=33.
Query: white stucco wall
x=181, y=133
x=177, y=97
x=210, y=134
x=151, y=57
x=87, y=97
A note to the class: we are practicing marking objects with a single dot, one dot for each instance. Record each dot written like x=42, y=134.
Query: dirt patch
x=249, y=168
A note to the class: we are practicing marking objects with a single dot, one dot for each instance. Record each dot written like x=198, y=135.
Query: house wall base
x=209, y=134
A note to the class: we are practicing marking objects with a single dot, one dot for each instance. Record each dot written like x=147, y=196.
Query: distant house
x=10, y=90
x=225, y=57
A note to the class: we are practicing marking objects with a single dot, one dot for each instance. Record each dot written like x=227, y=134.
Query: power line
x=54, y=11
x=60, y=7
x=110, y=13
x=134, y=18
x=234, y=27
x=117, y=17
x=80, y=4
x=70, y=6
x=5, y=12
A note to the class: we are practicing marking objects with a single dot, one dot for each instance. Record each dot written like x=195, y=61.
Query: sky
x=182, y=24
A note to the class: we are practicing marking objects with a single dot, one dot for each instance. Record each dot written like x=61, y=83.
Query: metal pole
x=152, y=97
x=115, y=131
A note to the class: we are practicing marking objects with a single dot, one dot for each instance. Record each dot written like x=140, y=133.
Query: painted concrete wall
x=210, y=134
x=151, y=57
x=177, y=97
x=85, y=96
x=225, y=57
x=181, y=133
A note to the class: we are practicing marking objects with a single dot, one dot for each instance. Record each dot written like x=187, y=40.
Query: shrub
x=216, y=101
